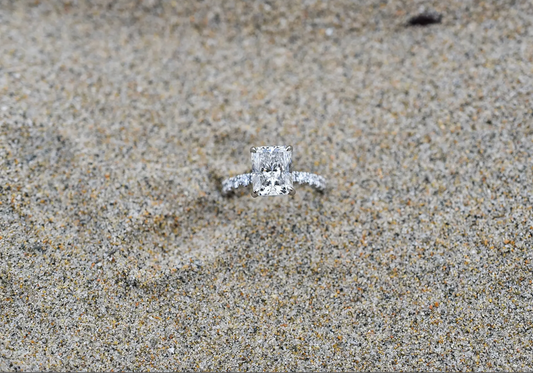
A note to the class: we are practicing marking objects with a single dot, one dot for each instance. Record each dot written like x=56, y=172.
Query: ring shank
x=243, y=180
x=235, y=182
x=316, y=181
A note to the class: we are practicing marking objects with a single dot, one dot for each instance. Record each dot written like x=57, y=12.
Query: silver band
x=316, y=181
x=235, y=182
x=244, y=180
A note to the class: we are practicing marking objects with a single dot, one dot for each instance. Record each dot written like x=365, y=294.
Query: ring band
x=271, y=175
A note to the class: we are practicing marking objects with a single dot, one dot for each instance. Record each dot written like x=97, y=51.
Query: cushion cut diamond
x=271, y=174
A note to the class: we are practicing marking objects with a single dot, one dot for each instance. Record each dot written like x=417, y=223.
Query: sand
x=120, y=119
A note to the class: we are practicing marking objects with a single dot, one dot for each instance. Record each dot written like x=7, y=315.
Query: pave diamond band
x=314, y=180
x=244, y=180
x=235, y=182
x=271, y=174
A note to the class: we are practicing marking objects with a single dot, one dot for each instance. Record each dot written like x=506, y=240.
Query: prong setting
x=289, y=148
x=254, y=194
x=292, y=192
x=253, y=149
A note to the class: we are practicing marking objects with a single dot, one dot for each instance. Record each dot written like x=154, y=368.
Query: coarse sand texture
x=119, y=120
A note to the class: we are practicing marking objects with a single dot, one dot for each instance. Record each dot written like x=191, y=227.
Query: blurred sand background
x=119, y=119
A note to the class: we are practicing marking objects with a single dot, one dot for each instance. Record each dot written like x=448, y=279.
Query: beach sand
x=120, y=119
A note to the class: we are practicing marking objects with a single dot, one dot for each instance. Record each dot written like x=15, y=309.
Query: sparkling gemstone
x=271, y=174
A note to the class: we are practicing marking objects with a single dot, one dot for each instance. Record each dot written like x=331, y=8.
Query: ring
x=271, y=174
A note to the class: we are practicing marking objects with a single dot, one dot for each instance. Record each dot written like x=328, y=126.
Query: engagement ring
x=271, y=174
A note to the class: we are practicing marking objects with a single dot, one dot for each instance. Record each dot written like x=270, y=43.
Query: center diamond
x=271, y=174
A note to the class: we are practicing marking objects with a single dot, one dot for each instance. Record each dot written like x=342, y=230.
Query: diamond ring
x=271, y=174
